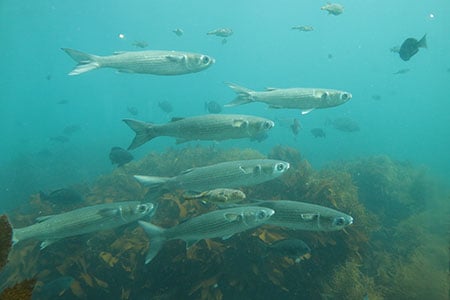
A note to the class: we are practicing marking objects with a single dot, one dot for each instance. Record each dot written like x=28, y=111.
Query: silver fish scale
x=227, y=175
x=152, y=62
x=214, y=224
x=214, y=127
x=80, y=221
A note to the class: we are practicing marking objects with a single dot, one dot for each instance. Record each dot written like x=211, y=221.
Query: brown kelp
x=382, y=255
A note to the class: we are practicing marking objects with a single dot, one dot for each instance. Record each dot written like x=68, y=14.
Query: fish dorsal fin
x=232, y=216
x=118, y=52
x=174, y=119
x=240, y=123
x=109, y=212
x=175, y=58
x=43, y=218
x=190, y=243
x=226, y=237
x=307, y=111
x=269, y=89
x=309, y=216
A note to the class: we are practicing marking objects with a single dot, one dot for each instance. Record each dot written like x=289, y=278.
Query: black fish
x=318, y=132
x=213, y=107
x=71, y=129
x=295, y=126
x=64, y=195
x=411, y=46
x=166, y=106
x=120, y=156
x=133, y=110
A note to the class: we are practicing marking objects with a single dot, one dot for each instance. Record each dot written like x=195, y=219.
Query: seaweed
x=5, y=240
x=20, y=291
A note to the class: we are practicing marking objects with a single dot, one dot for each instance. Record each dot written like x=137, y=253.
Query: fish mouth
x=350, y=220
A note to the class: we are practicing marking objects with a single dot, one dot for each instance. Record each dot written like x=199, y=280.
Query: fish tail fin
x=157, y=239
x=86, y=62
x=243, y=95
x=144, y=132
x=423, y=42
x=14, y=239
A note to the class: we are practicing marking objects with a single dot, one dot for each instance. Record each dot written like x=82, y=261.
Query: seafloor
x=397, y=248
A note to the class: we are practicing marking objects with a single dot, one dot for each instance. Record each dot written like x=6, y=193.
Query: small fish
x=344, y=124
x=165, y=106
x=333, y=8
x=230, y=174
x=140, y=44
x=376, y=97
x=155, y=62
x=304, y=28
x=223, y=32
x=296, y=126
x=411, y=46
x=330, y=56
x=219, y=196
x=305, y=216
x=211, y=127
x=71, y=129
x=133, y=110
x=401, y=71
x=318, y=132
x=213, y=107
x=62, y=101
x=224, y=41
x=50, y=229
x=178, y=31
x=305, y=99
x=222, y=223
x=120, y=156
x=64, y=195
x=292, y=248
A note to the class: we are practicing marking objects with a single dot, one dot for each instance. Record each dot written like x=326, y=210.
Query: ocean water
x=408, y=121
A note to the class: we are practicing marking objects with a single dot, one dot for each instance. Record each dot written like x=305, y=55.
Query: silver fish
x=306, y=216
x=333, y=8
x=156, y=62
x=50, y=229
x=305, y=99
x=219, y=223
x=206, y=127
x=231, y=174
x=223, y=32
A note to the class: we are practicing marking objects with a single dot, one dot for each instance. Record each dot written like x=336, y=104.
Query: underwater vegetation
x=385, y=254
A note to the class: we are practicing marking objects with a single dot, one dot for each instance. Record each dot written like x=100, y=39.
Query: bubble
x=121, y=36
x=431, y=15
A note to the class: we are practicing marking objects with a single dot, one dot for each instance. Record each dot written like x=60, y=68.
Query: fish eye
x=324, y=96
x=142, y=208
x=261, y=215
x=267, y=125
x=344, y=96
x=339, y=221
x=205, y=59
x=280, y=167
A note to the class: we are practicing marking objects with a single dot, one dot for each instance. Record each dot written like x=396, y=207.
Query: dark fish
x=166, y=106
x=295, y=126
x=345, y=124
x=213, y=107
x=259, y=137
x=411, y=46
x=401, y=71
x=293, y=248
x=133, y=110
x=54, y=289
x=140, y=44
x=120, y=156
x=318, y=132
x=224, y=41
x=71, y=129
x=330, y=56
x=178, y=31
x=64, y=195
x=48, y=77
x=59, y=139
x=376, y=97
x=63, y=101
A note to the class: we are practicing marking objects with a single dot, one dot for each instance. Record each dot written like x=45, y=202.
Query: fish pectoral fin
x=232, y=217
x=43, y=218
x=245, y=171
x=310, y=216
x=46, y=243
x=307, y=111
x=175, y=58
x=187, y=171
x=275, y=106
x=240, y=123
